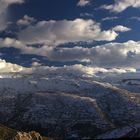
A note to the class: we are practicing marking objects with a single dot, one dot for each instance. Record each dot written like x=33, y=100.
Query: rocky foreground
x=10, y=134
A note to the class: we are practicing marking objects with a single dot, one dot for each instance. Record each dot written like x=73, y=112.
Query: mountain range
x=65, y=106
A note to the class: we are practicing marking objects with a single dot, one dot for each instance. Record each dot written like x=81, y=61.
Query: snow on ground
x=72, y=94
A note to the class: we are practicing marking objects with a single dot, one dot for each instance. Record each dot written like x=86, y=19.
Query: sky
x=93, y=33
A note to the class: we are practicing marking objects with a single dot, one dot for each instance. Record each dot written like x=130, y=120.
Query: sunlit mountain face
x=70, y=69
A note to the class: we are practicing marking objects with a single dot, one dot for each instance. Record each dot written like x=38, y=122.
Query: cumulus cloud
x=121, y=5
x=109, y=55
x=118, y=54
x=78, y=70
x=25, y=21
x=74, y=71
x=6, y=67
x=64, y=31
x=120, y=28
x=11, y=42
x=3, y=11
x=83, y=3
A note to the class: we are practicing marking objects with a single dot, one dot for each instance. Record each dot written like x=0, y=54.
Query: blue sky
x=103, y=33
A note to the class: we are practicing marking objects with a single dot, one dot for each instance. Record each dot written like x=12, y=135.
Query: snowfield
x=68, y=103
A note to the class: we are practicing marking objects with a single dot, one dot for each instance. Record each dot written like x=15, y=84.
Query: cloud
x=121, y=5
x=11, y=42
x=109, y=18
x=4, y=4
x=25, y=21
x=35, y=64
x=74, y=71
x=8, y=2
x=6, y=67
x=78, y=71
x=83, y=3
x=120, y=28
x=108, y=55
x=65, y=31
x=117, y=54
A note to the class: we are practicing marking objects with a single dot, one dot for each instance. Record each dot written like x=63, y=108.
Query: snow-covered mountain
x=67, y=103
x=129, y=81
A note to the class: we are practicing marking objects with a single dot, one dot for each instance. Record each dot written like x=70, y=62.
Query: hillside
x=66, y=108
x=63, y=104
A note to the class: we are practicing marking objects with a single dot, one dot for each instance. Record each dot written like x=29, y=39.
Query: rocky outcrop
x=10, y=134
x=28, y=136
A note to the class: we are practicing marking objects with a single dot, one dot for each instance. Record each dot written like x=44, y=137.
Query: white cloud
x=109, y=18
x=25, y=21
x=6, y=67
x=117, y=55
x=121, y=5
x=83, y=3
x=10, y=42
x=35, y=64
x=109, y=55
x=12, y=1
x=120, y=28
x=78, y=71
x=3, y=11
x=64, y=31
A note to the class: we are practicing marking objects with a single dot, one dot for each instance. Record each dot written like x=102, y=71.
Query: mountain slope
x=66, y=105
x=6, y=133
x=67, y=108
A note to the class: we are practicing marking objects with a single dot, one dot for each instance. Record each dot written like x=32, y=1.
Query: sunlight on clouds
x=108, y=55
x=121, y=5
x=25, y=21
x=11, y=42
x=79, y=70
x=83, y=3
x=64, y=31
x=49, y=34
x=8, y=67
x=120, y=28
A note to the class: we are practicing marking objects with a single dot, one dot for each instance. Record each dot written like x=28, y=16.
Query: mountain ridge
x=99, y=106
